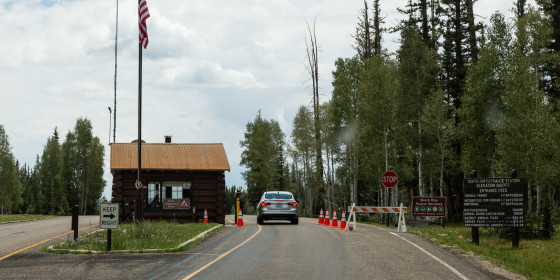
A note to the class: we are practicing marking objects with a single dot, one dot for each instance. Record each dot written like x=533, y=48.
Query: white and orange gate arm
x=377, y=209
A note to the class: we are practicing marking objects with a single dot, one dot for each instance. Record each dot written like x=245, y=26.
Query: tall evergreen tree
x=377, y=29
x=83, y=167
x=417, y=70
x=483, y=104
x=377, y=145
x=344, y=117
x=304, y=155
x=53, y=194
x=263, y=147
x=10, y=186
x=363, y=37
x=551, y=84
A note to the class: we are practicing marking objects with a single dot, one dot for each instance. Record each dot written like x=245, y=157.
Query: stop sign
x=389, y=179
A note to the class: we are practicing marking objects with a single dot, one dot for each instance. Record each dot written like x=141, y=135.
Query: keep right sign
x=109, y=216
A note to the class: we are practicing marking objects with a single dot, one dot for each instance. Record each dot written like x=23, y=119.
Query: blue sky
x=209, y=68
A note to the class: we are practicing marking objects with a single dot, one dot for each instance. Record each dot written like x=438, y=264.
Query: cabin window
x=154, y=195
x=169, y=195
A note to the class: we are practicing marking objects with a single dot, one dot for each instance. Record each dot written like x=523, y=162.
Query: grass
x=534, y=259
x=146, y=236
x=22, y=218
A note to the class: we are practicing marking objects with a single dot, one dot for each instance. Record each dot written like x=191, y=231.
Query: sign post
x=109, y=219
x=389, y=179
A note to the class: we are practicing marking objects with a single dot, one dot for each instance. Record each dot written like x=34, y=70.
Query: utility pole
x=115, y=79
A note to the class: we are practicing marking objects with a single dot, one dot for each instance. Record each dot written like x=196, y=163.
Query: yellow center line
x=39, y=243
x=222, y=255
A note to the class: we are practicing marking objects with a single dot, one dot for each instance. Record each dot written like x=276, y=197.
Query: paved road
x=272, y=251
x=17, y=236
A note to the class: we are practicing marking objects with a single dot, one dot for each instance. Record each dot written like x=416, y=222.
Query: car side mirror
x=297, y=200
x=257, y=201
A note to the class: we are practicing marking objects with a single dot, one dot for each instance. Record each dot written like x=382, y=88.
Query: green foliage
x=547, y=230
x=377, y=122
x=303, y=155
x=262, y=156
x=535, y=259
x=482, y=104
x=10, y=186
x=83, y=167
x=52, y=192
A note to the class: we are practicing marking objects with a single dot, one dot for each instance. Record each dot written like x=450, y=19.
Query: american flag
x=143, y=15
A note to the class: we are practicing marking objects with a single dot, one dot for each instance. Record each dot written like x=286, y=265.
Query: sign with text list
x=494, y=202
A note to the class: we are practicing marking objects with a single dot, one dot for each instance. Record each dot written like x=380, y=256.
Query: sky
x=209, y=68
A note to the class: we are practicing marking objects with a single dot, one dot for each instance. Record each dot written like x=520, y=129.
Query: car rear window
x=278, y=196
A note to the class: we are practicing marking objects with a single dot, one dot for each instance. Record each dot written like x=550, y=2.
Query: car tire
x=295, y=221
x=259, y=220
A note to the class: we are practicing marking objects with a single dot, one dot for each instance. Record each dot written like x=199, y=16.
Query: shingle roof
x=170, y=156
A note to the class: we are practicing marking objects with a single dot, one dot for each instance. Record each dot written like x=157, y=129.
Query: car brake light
x=292, y=204
x=265, y=203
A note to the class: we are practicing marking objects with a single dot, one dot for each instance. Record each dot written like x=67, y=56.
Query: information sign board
x=176, y=203
x=494, y=202
x=429, y=206
x=109, y=216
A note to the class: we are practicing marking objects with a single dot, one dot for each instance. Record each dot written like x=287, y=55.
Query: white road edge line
x=434, y=257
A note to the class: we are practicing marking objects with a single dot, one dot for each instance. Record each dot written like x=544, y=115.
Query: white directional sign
x=109, y=215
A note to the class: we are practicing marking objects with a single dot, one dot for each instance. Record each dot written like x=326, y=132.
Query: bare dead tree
x=313, y=69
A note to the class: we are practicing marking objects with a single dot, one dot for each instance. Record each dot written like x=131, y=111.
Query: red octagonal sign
x=390, y=179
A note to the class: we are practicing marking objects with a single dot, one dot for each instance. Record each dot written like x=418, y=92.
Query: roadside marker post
x=75, y=215
x=376, y=209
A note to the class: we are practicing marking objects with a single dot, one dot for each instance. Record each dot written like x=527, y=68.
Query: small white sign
x=109, y=215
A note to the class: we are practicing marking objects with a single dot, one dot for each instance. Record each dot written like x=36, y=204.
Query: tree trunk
x=313, y=68
x=441, y=165
x=376, y=28
x=425, y=33
x=420, y=155
x=472, y=30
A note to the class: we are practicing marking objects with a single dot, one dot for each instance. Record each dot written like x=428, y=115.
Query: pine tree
x=83, y=167
x=263, y=147
x=551, y=85
x=417, y=70
x=10, y=186
x=53, y=199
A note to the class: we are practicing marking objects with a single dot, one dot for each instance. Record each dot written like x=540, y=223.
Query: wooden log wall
x=208, y=192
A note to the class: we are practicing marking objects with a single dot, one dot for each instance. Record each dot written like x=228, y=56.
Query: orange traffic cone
x=240, y=219
x=343, y=220
x=321, y=218
x=334, y=220
x=327, y=222
x=205, y=217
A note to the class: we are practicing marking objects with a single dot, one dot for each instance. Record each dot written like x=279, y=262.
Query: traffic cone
x=343, y=220
x=321, y=218
x=240, y=219
x=334, y=220
x=327, y=222
x=205, y=220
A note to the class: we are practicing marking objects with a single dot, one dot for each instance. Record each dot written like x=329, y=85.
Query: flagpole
x=139, y=193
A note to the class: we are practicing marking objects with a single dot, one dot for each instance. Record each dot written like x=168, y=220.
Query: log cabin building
x=179, y=181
